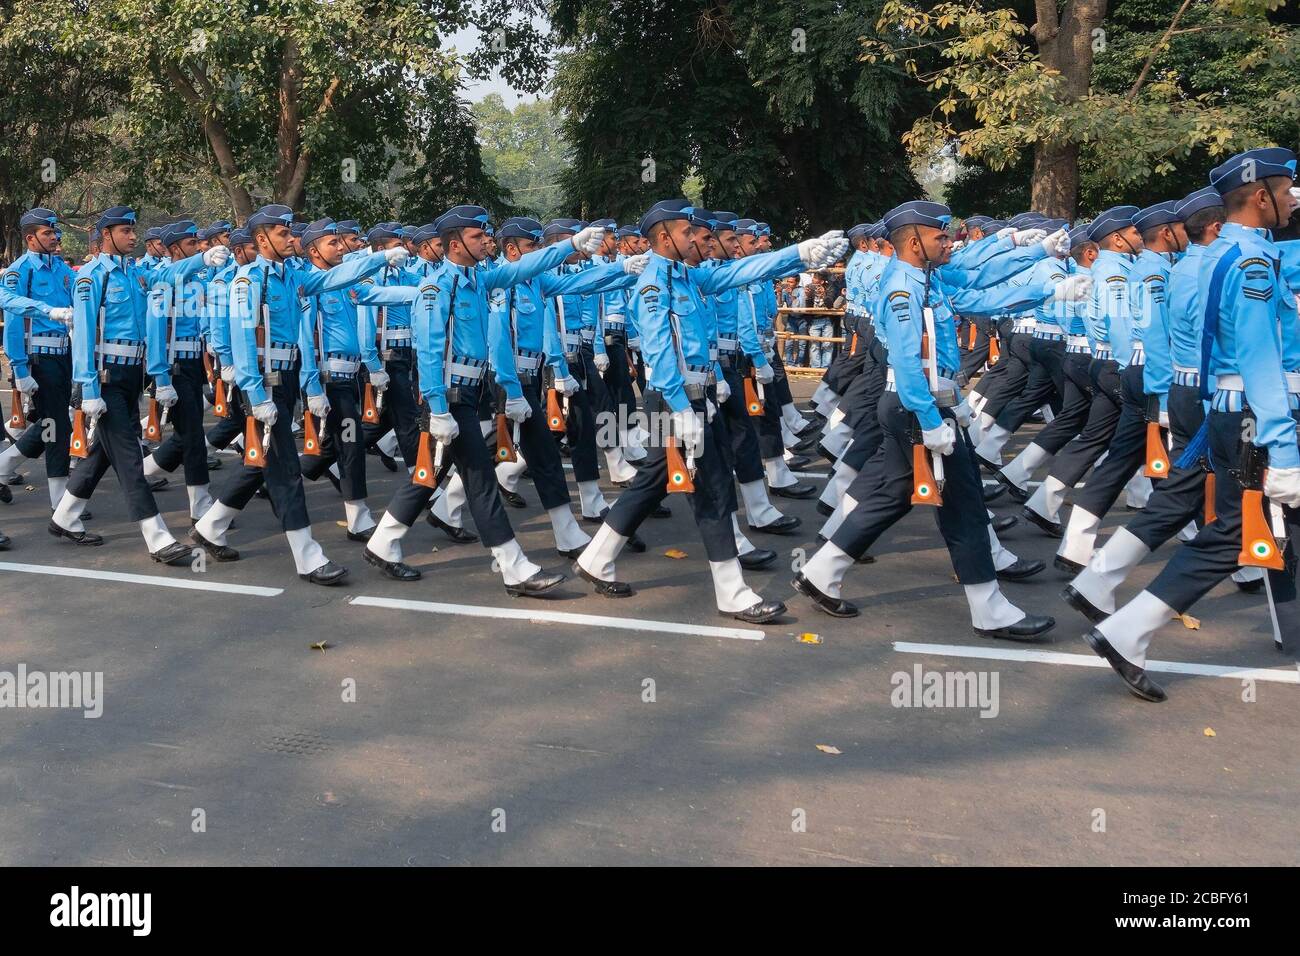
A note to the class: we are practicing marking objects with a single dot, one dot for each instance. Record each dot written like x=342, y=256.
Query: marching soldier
x=265, y=295
x=228, y=431
x=456, y=337
x=38, y=295
x=1249, y=328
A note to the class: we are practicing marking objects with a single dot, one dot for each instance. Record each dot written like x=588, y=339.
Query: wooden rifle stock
x=679, y=477
x=554, y=414
x=1157, y=465
x=505, y=444
x=208, y=369
x=995, y=353
x=1258, y=546
x=753, y=403
x=1209, y=498
x=925, y=490
x=424, y=473
x=254, y=453
x=220, y=407
x=79, y=446
x=153, y=424
x=310, y=438
x=19, y=418
x=369, y=410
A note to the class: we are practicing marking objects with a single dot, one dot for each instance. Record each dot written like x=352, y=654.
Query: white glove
x=397, y=256
x=443, y=428
x=27, y=385
x=166, y=395
x=1058, y=243
x=266, y=413
x=710, y=410
x=1164, y=419
x=964, y=415
x=1075, y=288
x=318, y=405
x=1004, y=232
x=518, y=409
x=941, y=440
x=93, y=407
x=724, y=391
x=601, y=360
x=567, y=386
x=61, y=314
x=825, y=249
x=1027, y=237
x=379, y=380
x=635, y=265
x=765, y=374
x=228, y=374
x=216, y=256
x=689, y=429
x=1282, y=486
x=589, y=240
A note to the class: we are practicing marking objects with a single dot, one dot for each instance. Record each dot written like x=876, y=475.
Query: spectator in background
x=816, y=296
x=788, y=297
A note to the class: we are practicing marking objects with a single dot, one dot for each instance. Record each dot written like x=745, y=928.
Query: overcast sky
x=464, y=41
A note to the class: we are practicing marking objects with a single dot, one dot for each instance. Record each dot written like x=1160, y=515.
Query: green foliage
x=524, y=150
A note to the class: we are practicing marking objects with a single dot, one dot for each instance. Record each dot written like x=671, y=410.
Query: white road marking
x=155, y=580
x=561, y=617
x=1280, y=676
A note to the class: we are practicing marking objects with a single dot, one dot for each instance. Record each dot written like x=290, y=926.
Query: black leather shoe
x=835, y=607
x=992, y=493
x=1017, y=493
x=77, y=537
x=1028, y=628
x=1139, y=684
x=4, y=541
x=218, y=552
x=635, y=544
x=6, y=495
x=1005, y=523
x=992, y=467
x=1049, y=527
x=158, y=483
x=797, y=462
x=786, y=524
x=800, y=489
x=757, y=559
x=573, y=554
x=1062, y=563
x=1250, y=587
x=1081, y=604
x=361, y=535
x=397, y=570
x=609, y=589
x=599, y=519
x=14, y=479
x=328, y=574
x=513, y=498
x=391, y=464
x=807, y=445
x=824, y=509
x=174, y=553
x=821, y=450
x=764, y=612
x=538, y=584
x=459, y=535
x=663, y=511
x=214, y=463
x=865, y=559
x=1023, y=568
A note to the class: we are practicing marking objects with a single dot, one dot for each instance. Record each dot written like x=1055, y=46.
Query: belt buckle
x=103, y=374
x=272, y=378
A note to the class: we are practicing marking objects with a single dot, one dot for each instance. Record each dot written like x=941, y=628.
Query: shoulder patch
x=1117, y=279
x=898, y=294
x=1254, y=261
x=10, y=280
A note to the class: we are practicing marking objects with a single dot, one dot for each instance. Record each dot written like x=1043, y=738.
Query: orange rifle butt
x=679, y=478
x=974, y=334
x=254, y=453
x=753, y=404
x=208, y=369
x=423, y=474
x=19, y=418
x=1209, y=498
x=505, y=444
x=554, y=414
x=153, y=424
x=79, y=446
x=1258, y=546
x=310, y=437
x=925, y=490
x=995, y=353
x=369, y=410
x=220, y=407
x=1157, y=465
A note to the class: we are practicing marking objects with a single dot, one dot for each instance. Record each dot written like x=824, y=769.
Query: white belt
x=571, y=338
x=121, y=351
x=337, y=366
x=713, y=353
x=48, y=341
x=697, y=378
x=397, y=335
x=471, y=372
x=728, y=345
x=1024, y=325
x=279, y=355
x=527, y=363
x=588, y=335
x=634, y=343
x=1079, y=342
x=1139, y=356
x=614, y=321
x=187, y=345
x=1190, y=371
x=947, y=393
x=1050, y=328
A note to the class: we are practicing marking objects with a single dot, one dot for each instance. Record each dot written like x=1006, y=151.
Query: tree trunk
x=215, y=132
x=1065, y=44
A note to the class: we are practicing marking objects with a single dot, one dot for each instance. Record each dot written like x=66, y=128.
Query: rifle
x=754, y=393
x=1157, y=464
x=1259, y=547
x=927, y=468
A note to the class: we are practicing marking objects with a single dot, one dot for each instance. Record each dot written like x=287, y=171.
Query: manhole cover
x=297, y=744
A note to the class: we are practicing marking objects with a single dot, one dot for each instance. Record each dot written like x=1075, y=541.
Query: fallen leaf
x=828, y=749
x=1209, y=732
x=675, y=553
x=809, y=638
x=1189, y=622
x=341, y=524
x=321, y=646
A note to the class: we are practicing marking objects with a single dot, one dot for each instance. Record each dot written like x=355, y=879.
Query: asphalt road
x=225, y=738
